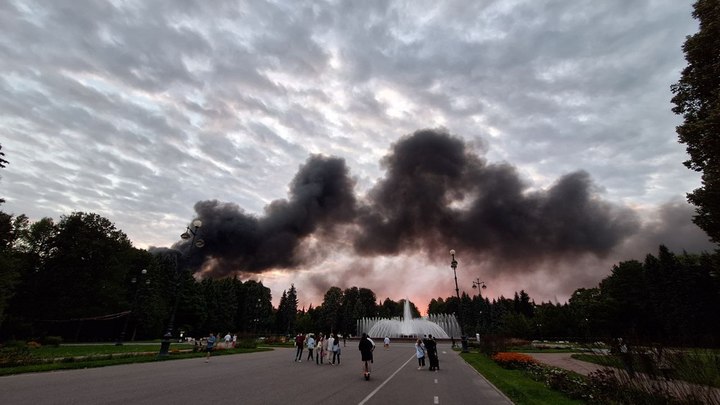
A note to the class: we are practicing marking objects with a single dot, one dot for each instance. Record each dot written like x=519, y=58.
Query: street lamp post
x=463, y=338
x=479, y=284
x=134, y=280
x=194, y=242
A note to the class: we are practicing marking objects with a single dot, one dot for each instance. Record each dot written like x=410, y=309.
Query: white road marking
x=436, y=381
x=436, y=401
x=370, y=395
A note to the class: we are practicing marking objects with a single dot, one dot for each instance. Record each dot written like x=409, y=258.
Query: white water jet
x=440, y=326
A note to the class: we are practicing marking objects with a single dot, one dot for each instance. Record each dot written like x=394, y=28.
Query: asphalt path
x=262, y=378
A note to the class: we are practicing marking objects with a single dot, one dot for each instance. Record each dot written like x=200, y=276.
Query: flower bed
x=513, y=360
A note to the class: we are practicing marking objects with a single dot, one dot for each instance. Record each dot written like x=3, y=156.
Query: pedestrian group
x=324, y=350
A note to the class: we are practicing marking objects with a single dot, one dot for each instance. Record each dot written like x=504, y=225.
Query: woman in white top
x=327, y=346
x=311, y=346
x=420, y=353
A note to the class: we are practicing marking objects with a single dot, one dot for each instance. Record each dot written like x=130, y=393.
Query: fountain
x=440, y=326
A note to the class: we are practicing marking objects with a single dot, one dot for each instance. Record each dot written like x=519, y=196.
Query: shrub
x=491, y=344
x=246, y=344
x=53, y=341
x=14, y=353
x=570, y=384
x=33, y=345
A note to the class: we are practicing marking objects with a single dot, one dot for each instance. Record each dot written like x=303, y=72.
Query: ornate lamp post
x=479, y=284
x=463, y=338
x=194, y=242
x=134, y=280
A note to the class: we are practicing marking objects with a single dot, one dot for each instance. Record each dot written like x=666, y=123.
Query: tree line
x=667, y=298
x=81, y=278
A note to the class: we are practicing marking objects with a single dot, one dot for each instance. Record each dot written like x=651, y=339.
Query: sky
x=347, y=143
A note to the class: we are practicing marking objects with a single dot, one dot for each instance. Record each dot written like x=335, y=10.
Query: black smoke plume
x=321, y=197
x=437, y=193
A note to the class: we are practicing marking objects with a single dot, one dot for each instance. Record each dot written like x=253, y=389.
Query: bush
x=33, y=345
x=570, y=384
x=53, y=341
x=491, y=344
x=246, y=344
x=14, y=353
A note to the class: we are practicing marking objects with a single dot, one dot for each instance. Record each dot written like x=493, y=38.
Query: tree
x=624, y=294
x=348, y=316
x=697, y=99
x=331, y=309
x=76, y=269
x=9, y=273
x=287, y=312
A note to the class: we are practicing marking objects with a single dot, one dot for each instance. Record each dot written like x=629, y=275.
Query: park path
x=261, y=378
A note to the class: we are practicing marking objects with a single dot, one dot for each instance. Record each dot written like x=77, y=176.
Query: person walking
x=326, y=349
x=299, y=341
x=319, y=349
x=227, y=340
x=209, y=346
x=330, y=346
x=310, y=346
x=431, y=349
x=386, y=342
x=420, y=353
x=366, y=347
x=336, y=350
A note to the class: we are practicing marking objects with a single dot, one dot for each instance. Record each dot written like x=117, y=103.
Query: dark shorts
x=367, y=356
x=208, y=349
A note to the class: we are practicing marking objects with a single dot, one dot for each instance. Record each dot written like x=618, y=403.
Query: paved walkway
x=261, y=378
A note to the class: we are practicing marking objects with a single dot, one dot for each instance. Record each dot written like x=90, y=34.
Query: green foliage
x=13, y=353
x=697, y=99
x=53, y=341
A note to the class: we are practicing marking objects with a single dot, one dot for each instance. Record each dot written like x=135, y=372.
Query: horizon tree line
x=74, y=279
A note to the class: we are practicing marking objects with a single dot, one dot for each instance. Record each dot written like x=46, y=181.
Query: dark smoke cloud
x=670, y=225
x=437, y=193
x=321, y=197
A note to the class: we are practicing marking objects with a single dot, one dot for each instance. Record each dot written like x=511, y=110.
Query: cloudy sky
x=355, y=142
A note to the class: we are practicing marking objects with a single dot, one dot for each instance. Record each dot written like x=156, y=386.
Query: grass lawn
x=49, y=352
x=521, y=389
x=89, y=356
